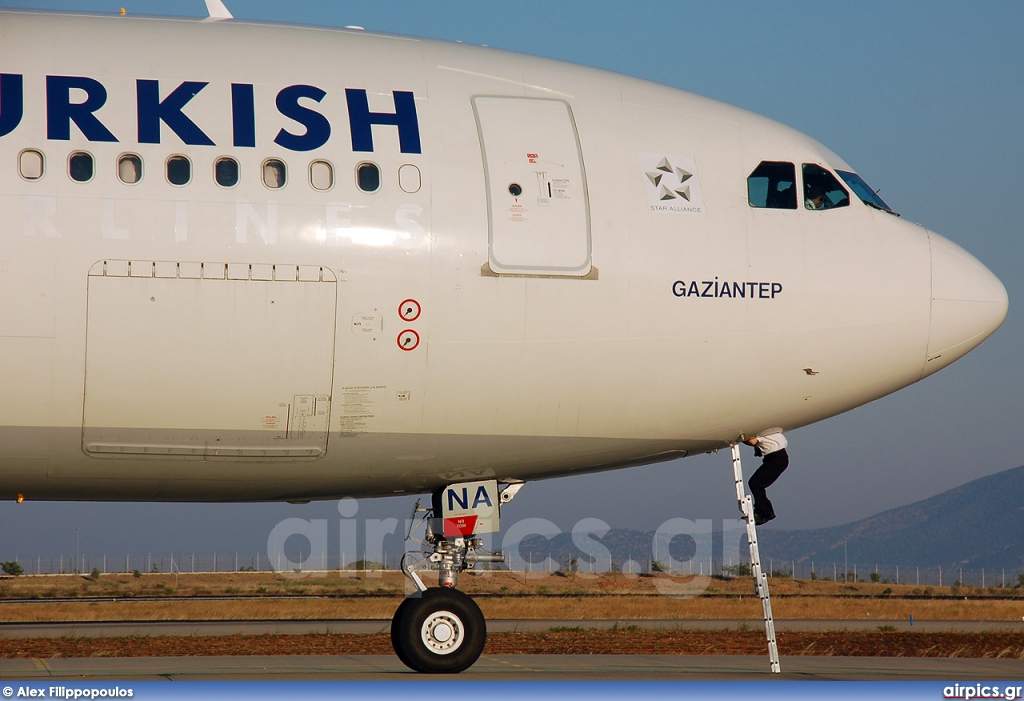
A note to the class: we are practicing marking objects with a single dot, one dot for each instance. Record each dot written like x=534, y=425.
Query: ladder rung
x=746, y=506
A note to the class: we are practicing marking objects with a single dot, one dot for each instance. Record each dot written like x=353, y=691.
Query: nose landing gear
x=442, y=630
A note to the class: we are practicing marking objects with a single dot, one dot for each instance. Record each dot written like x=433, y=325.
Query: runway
x=511, y=668
x=87, y=629
x=495, y=667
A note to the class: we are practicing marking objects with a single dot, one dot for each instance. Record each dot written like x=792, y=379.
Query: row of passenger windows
x=178, y=171
x=772, y=185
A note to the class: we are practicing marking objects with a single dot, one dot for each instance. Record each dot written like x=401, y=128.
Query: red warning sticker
x=408, y=340
x=460, y=526
x=409, y=310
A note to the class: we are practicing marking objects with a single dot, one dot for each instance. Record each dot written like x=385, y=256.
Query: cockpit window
x=865, y=193
x=822, y=190
x=772, y=185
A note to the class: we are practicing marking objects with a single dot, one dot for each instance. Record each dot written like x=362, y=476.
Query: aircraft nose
x=968, y=304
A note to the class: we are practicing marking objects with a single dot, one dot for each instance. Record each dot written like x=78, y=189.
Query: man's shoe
x=761, y=519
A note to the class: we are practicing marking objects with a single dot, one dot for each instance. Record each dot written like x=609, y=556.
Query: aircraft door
x=538, y=211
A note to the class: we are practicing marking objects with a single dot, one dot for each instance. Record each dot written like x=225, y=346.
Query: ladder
x=746, y=505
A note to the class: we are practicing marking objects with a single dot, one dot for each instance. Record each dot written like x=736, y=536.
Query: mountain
x=976, y=526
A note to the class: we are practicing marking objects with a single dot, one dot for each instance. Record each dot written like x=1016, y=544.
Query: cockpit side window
x=772, y=185
x=822, y=190
x=864, y=192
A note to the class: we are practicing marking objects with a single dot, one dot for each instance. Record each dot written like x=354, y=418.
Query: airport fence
x=259, y=561
x=181, y=563
x=895, y=574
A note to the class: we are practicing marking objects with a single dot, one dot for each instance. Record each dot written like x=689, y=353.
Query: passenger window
x=772, y=185
x=129, y=168
x=368, y=177
x=81, y=167
x=409, y=178
x=225, y=172
x=179, y=170
x=274, y=174
x=321, y=175
x=30, y=164
x=822, y=190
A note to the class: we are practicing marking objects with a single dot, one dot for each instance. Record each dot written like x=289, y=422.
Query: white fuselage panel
x=299, y=263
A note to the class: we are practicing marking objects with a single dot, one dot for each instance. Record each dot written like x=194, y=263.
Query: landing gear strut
x=442, y=630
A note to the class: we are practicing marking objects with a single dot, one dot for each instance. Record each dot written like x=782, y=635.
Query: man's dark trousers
x=773, y=465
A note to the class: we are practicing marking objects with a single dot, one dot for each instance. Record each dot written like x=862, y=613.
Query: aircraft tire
x=407, y=602
x=441, y=631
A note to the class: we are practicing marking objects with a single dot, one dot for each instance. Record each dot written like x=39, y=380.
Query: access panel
x=209, y=360
x=537, y=204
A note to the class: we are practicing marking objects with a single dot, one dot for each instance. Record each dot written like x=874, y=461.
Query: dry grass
x=376, y=595
x=500, y=595
x=577, y=642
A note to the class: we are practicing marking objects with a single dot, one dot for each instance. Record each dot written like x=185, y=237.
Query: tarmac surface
x=94, y=629
x=496, y=667
x=511, y=667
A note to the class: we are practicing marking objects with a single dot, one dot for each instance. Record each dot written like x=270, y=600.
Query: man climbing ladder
x=760, y=580
x=769, y=445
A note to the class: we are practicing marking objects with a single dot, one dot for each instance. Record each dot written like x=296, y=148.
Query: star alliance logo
x=672, y=184
x=678, y=188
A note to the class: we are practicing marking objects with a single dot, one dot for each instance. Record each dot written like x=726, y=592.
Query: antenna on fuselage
x=217, y=11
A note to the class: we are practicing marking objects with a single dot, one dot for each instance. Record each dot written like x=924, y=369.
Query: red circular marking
x=407, y=315
x=408, y=345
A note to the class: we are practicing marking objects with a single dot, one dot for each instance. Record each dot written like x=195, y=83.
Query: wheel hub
x=442, y=632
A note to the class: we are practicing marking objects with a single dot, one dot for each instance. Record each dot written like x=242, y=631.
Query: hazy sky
x=924, y=99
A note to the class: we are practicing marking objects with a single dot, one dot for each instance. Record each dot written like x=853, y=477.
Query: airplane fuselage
x=246, y=262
